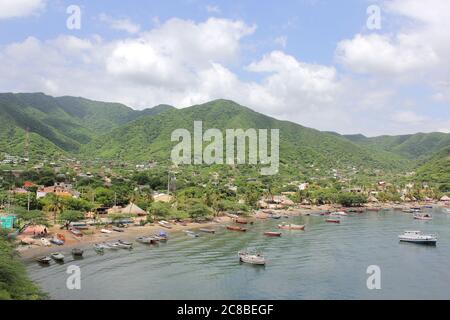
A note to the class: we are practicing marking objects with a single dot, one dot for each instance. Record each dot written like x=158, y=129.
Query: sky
x=356, y=66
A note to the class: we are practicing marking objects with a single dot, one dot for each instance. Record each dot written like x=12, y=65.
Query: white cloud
x=20, y=8
x=212, y=9
x=408, y=117
x=281, y=41
x=120, y=24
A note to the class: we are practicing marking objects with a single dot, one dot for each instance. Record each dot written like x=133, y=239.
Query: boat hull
x=236, y=229
x=273, y=234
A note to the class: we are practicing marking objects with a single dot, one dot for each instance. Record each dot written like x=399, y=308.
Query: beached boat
x=241, y=221
x=232, y=228
x=117, y=229
x=57, y=256
x=161, y=236
x=191, y=234
x=275, y=216
x=57, y=241
x=165, y=224
x=76, y=232
x=338, y=213
x=418, y=237
x=273, y=234
x=99, y=248
x=112, y=246
x=45, y=242
x=206, y=230
x=105, y=231
x=44, y=260
x=251, y=258
x=146, y=240
x=333, y=220
x=125, y=244
x=423, y=216
x=77, y=252
x=291, y=226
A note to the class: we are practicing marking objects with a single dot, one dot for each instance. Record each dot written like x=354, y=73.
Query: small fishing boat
x=57, y=241
x=232, y=228
x=407, y=211
x=125, y=244
x=418, y=237
x=76, y=232
x=146, y=240
x=99, y=248
x=192, y=234
x=205, y=230
x=333, y=220
x=339, y=213
x=252, y=258
x=273, y=234
x=117, y=229
x=424, y=217
x=241, y=221
x=112, y=246
x=161, y=236
x=291, y=226
x=45, y=242
x=105, y=231
x=57, y=256
x=276, y=216
x=165, y=224
x=76, y=252
x=44, y=260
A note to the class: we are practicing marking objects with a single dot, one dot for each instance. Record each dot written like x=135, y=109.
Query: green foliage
x=71, y=216
x=199, y=211
x=160, y=209
x=350, y=200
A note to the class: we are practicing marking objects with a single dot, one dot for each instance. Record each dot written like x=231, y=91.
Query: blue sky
x=314, y=62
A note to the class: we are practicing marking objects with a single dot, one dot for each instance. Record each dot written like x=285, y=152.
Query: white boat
x=423, y=216
x=112, y=246
x=99, y=248
x=418, y=237
x=106, y=231
x=339, y=213
x=252, y=258
x=192, y=234
x=45, y=242
x=58, y=256
x=125, y=244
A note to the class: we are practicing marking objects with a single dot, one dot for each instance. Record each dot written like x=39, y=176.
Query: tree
x=160, y=209
x=69, y=216
x=52, y=203
x=199, y=211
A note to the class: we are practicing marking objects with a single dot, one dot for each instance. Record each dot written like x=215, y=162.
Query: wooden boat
x=76, y=232
x=99, y=248
x=45, y=242
x=57, y=256
x=333, y=220
x=205, y=230
x=192, y=234
x=117, y=229
x=252, y=258
x=285, y=226
x=44, y=260
x=276, y=216
x=125, y=244
x=241, y=221
x=161, y=236
x=273, y=234
x=105, y=231
x=77, y=252
x=165, y=224
x=146, y=240
x=424, y=217
x=112, y=246
x=339, y=213
x=57, y=242
x=232, y=228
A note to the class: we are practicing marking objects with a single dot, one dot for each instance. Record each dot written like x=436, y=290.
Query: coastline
x=31, y=252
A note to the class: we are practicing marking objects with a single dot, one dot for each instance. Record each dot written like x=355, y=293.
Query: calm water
x=326, y=261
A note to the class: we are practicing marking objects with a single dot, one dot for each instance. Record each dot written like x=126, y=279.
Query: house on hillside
x=162, y=197
x=60, y=189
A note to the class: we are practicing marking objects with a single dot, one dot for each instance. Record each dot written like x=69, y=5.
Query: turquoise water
x=327, y=261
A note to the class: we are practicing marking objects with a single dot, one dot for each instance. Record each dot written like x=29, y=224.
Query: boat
x=424, y=217
x=57, y=241
x=407, y=211
x=45, y=242
x=146, y=240
x=61, y=237
x=44, y=260
x=241, y=221
x=418, y=237
x=333, y=220
x=251, y=258
x=112, y=246
x=205, y=230
x=105, y=231
x=161, y=236
x=57, y=256
x=276, y=216
x=99, y=248
x=117, y=229
x=232, y=228
x=76, y=232
x=192, y=234
x=273, y=234
x=286, y=226
x=77, y=252
x=165, y=224
x=125, y=244
x=339, y=213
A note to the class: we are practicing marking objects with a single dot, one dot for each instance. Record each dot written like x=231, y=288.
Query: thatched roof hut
x=445, y=198
x=133, y=209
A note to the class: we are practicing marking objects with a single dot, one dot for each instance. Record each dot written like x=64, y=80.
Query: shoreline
x=29, y=253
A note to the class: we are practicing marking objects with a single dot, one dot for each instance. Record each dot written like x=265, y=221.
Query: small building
x=7, y=222
x=445, y=199
x=162, y=197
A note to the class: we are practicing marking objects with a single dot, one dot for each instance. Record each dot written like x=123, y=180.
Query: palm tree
x=54, y=205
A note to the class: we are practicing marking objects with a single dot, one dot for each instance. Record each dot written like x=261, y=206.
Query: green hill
x=436, y=169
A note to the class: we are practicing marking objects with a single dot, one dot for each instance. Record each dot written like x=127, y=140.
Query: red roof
x=28, y=184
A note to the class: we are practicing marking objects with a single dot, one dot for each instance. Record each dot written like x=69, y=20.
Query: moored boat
x=252, y=258
x=333, y=220
x=45, y=242
x=146, y=240
x=165, y=224
x=117, y=229
x=125, y=244
x=233, y=228
x=206, y=230
x=286, y=226
x=273, y=234
x=241, y=221
x=57, y=241
x=339, y=213
x=418, y=237
x=99, y=248
x=276, y=216
x=424, y=217
x=44, y=260
x=105, y=231
x=57, y=256
x=77, y=252
x=191, y=234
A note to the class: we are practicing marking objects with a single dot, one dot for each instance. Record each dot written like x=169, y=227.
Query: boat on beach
x=76, y=232
x=191, y=234
x=99, y=248
x=291, y=226
x=252, y=258
x=112, y=246
x=44, y=260
x=165, y=224
x=273, y=234
x=105, y=231
x=58, y=256
x=418, y=237
x=233, y=228
x=423, y=216
x=241, y=221
x=117, y=229
x=77, y=252
x=338, y=213
x=45, y=242
x=125, y=244
x=146, y=240
x=57, y=241
x=206, y=230
x=333, y=220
